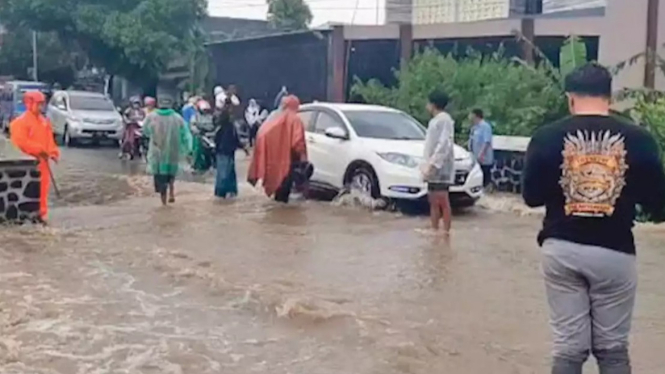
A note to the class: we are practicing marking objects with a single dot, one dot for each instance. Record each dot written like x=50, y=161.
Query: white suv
x=378, y=151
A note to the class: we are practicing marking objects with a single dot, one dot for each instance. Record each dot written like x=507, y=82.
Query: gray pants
x=591, y=294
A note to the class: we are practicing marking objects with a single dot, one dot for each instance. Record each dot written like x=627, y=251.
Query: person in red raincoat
x=32, y=134
x=280, y=153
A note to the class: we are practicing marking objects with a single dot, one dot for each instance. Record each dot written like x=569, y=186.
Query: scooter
x=209, y=146
x=140, y=142
x=207, y=141
x=136, y=148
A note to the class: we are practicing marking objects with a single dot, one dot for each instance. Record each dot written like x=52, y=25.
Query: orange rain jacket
x=32, y=133
x=279, y=143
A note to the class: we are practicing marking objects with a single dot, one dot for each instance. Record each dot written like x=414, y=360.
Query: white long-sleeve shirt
x=220, y=99
x=440, y=149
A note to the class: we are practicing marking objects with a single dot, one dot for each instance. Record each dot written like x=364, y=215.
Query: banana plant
x=572, y=55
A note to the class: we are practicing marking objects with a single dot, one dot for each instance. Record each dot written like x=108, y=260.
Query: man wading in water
x=590, y=171
x=169, y=144
x=438, y=168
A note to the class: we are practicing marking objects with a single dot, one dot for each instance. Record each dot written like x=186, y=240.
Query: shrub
x=649, y=111
x=516, y=98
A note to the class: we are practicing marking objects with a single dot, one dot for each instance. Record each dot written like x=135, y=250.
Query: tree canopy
x=289, y=15
x=132, y=38
x=56, y=62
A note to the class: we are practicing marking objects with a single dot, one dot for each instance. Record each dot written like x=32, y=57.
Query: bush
x=649, y=111
x=516, y=98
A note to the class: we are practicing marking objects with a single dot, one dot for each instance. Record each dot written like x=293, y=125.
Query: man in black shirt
x=590, y=171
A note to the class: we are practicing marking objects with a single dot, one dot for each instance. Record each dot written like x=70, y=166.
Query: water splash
x=356, y=199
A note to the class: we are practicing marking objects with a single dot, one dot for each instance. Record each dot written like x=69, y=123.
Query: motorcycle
x=140, y=141
x=209, y=146
x=207, y=141
x=135, y=146
x=244, y=132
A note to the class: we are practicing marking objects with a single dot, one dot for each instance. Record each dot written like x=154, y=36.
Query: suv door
x=57, y=113
x=308, y=118
x=330, y=156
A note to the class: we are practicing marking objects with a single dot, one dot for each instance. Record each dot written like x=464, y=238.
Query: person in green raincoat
x=200, y=125
x=169, y=144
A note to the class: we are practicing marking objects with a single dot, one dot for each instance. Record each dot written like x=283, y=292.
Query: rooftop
x=227, y=28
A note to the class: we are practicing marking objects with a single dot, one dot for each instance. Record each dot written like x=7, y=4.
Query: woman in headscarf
x=280, y=157
x=169, y=145
x=253, y=118
x=149, y=104
x=280, y=96
x=133, y=117
x=226, y=144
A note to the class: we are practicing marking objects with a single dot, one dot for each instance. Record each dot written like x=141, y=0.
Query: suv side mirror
x=336, y=133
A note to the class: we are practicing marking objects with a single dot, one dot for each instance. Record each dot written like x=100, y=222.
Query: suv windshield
x=385, y=125
x=90, y=103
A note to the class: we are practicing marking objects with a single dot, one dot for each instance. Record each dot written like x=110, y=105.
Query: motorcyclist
x=133, y=117
x=202, y=125
x=150, y=104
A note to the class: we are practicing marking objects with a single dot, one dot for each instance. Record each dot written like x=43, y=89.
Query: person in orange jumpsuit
x=32, y=134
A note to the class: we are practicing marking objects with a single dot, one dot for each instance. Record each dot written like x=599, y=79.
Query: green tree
x=56, y=62
x=502, y=88
x=132, y=38
x=289, y=15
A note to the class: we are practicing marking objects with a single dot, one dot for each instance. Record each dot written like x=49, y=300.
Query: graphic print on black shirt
x=590, y=172
x=593, y=172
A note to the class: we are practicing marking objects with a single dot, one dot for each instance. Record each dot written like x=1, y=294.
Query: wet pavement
x=118, y=284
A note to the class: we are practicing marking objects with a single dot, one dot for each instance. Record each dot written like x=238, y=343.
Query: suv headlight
x=74, y=121
x=401, y=159
x=467, y=163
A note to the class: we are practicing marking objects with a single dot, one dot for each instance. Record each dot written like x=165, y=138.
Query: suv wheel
x=363, y=180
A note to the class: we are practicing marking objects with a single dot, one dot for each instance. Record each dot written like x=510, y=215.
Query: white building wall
x=450, y=11
x=399, y=11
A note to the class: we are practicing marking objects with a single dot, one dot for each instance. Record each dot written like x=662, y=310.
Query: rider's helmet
x=218, y=90
x=203, y=106
x=150, y=101
x=135, y=101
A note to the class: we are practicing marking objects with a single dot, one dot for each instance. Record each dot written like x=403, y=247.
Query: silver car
x=88, y=116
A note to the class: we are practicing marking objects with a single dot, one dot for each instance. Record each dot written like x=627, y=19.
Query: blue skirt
x=226, y=183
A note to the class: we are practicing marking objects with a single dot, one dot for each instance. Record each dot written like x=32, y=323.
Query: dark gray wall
x=259, y=67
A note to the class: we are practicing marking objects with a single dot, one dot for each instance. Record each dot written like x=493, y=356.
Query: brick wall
x=19, y=191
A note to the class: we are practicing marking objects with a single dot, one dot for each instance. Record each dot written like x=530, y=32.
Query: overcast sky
x=323, y=10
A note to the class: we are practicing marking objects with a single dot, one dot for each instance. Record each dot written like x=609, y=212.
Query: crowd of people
x=589, y=171
x=209, y=136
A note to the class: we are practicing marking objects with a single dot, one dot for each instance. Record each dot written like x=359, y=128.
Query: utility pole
x=35, y=61
x=457, y=11
x=651, y=44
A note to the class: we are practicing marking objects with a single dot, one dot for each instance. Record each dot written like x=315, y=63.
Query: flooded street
x=118, y=284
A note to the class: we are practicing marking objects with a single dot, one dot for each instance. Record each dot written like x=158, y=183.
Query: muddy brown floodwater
x=118, y=284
